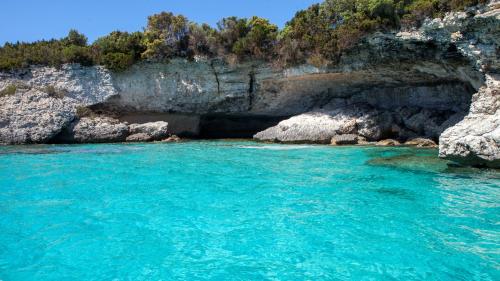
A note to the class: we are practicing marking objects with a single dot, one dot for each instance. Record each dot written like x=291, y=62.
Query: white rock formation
x=94, y=130
x=476, y=139
x=153, y=131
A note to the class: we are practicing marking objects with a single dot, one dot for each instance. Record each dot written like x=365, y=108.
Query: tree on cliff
x=259, y=40
x=166, y=36
x=119, y=50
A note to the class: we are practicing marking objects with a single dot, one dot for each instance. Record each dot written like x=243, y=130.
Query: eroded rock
x=388, y=142
x=421, y=142
x=475, y=141
x=172, y=138
x=348, y=139
x=140, y=137
x=33, y=117
x=152, y=131
x=94, y=130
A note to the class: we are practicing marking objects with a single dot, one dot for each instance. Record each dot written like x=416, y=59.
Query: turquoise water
x=244, y=211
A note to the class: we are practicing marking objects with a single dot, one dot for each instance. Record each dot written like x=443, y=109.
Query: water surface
x=226, y=210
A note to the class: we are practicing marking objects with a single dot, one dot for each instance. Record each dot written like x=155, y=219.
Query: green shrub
x=117, y=61
x=82, y=111
x=119, y=42
x=8, y=91
x=54, y=92
x=77, y=54
x=166, y=36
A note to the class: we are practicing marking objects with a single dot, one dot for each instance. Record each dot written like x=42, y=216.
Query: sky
x=31, y=20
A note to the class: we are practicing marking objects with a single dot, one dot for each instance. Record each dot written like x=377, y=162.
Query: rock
x=33, y=117
x=321, y=125
x=388, y=142
x=94, y=130
x=345, y=139
x=421, y=142
x=153, y=130
x=374, y=124
x=475, y=141
x=141, y=137
x=313, y=127
x=172, y=138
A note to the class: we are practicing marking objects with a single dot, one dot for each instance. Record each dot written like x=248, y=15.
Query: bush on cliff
x=71, y=49
x=259, y=41
x=166, y=36
x=8, y=91
x=119, y=50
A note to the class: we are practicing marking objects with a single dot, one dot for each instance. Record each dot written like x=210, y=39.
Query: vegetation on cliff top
x=318, y=35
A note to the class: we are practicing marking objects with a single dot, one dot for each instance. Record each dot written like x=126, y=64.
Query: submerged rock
x=141, y=137
x=414, y=159
x=421, y=142
x=94, y=130
x=172, y=138
x=388, y=142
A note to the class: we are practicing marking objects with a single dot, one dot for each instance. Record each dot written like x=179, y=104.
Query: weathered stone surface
x=172, y=138
x=154, y=130
x=33, y=117
x=140, y=137
x=345, y=139
x=82, y=85
x=94, y=130
x=421, y=142
x=388, y=142
x=322, y=125
x=361, y=120
x=476, y=140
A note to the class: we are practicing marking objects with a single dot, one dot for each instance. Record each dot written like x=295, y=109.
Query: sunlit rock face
x=476, y=139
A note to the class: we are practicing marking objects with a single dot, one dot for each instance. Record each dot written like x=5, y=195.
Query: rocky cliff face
x=476, y=139
x=399, y=85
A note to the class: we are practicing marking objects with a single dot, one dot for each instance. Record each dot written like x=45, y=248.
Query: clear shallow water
x=244, y=211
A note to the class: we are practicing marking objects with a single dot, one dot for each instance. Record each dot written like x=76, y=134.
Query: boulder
x=421, y=142
x=141, y=137
x=94, y=130
x=321, y=125
x=152, y=131
x=172, y=138
x=388, y=142
x=312, y=127
x=475, y=141
x=348, y=139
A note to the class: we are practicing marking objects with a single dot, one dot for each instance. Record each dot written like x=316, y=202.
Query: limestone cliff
x=399, y=85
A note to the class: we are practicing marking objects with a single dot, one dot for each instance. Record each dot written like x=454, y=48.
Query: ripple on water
x=244, y=211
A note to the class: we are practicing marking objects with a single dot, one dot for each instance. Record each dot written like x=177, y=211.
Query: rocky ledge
x=438, y=83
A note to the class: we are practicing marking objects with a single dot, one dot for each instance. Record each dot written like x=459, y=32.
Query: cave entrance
x=216, y=126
